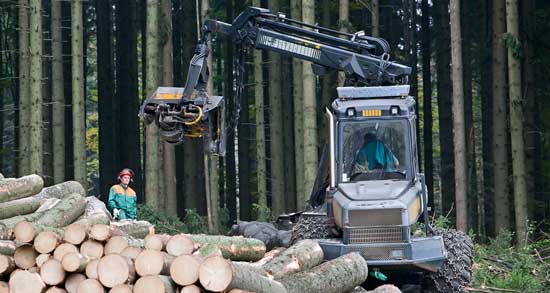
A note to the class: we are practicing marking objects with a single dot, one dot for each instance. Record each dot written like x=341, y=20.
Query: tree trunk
x=112, y=270
x=427, y=99
x=152, y=161
x=179, y=245
x=155, y=284
x=63, y=213
x=375, y=18
x=58, y=96
x=234, y=248
x=79, y=108
x=134, y=229
x=12, y=189
x=341, y=274
x=500, y=139
x=75, y=234
x=343, y=26
x=516, y=122
x=184, y=270
x=302, y=256
x=46, y=242
x=52, y=272
x=23, y=167
x=310, y=109
x=35, y=104
x=153, y=262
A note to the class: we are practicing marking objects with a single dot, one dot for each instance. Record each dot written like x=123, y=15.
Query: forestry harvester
x=367, y=205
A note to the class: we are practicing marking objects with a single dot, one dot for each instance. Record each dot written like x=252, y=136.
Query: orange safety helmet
x=124, y=172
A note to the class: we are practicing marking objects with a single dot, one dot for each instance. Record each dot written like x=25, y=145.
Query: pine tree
x=24, y=89
x=35, y=123
x=79, y=109
x=58, y=96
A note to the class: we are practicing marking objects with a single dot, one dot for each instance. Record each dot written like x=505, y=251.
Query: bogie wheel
x=310, y=227
x=456, y=271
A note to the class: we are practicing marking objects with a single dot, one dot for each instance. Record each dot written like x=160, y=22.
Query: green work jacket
x=123, y=199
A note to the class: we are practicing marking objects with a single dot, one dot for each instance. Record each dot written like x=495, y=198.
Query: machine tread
x=310, y=227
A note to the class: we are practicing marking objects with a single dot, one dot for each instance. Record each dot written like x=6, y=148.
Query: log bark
x=135, y=229
x=156, y=241
x=218, y=274
x=116, y=244
x=7, y=247
x=100, y=232
x=95, y=213
x=7, y=265
x=185, y=270
x=91, y=269
x=64, y=213
x=25, y=256
x=302, y=256
x=154, y=284
x=74, y=262
x=61, y=190
x=55, y=289
x=122, y=288
x=11, y=189
x=179, y=245
x=75, y=234
x=131, y=252
x=22, y=281
x=46, y=242
x=269, y=256
x=234, y=248
x=90, y=286
x=42, y=258
x=207, y=250
x=341, y=274
x=63, y=249
x=52, y=272
x=153, y=262
x=73, y=281
x=112, y=270
x=92, y=248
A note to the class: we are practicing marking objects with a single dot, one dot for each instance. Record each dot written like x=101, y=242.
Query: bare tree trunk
x=343, y=25
x=500, y=140
x=152, y=161
x=310, y=109
x=35, y=104
x=24, y=89
x=427, y=99
x=79, y=109
x=516, y=121
x=58, y=97
x=375, y=18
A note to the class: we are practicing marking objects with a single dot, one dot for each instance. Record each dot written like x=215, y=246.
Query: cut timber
x=75, y=234
x=64, y=213
x=22, y=281
x=4, y=287
x=116, y=244
x=73, y=281
x=302, y=256
x=218, y=274
x=135, y=229
x=25, y=256
x=191, y=289
x=131, y=252
x=179, y=244
x=7, y=265
x=55, y=289
x=233, y=247
x=154, y=284
x=90, y=286
x=41, y=259
x=7, y=247
x=21, y=187
x=48, y=204
x=100, y=232
x=92, y=249
x=63, y=249
x=269, y=256
x=122, y=288
x=74, y=262
x=24, y=232
x=156, y=241
x=52, y=272
x=112, y=270
x=91, y=269
x=341, y=274
x=239, y=291
x=153, y=262
x=46, y=242
x=207, y=250
x=94, y=206
x=185, y=269
x=62, y=189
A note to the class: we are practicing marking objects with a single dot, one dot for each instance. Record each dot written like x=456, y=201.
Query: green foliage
x=514, y=44
x=225, y=220
x=169, y=224
x=261, y=213
x=501, y=265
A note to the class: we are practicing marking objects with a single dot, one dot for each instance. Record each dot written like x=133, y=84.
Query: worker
x=122, y=198
x=374, y=154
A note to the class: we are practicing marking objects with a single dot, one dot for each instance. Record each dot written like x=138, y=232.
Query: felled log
x=25, y=256
x=218, y=274
x=30, y=204
x=122, y=288
x=92, y=248
x=154, y=284
x=341, y=274
x=207, y=250
x=74, y=262
x=55, y=289
x=95, y=208
x=46, y=242
x=61, y=250
x=385, y=289
x=64, y=213
x=73, y=281
x=153, y=262
x=90, y=286
x=191, y=289
x=7, y=265
x=116, y=244
x=112, y=270
x=302, y=256
x=269, y=256
x=7, y=247
x=131, y=252
x=156, y=241
x=234, y=248
x=91, y=269
x=52, y=272
x=22, y=281
x=179, y=244
x=75, y=234
x=135, y=229
x=185, y=269
x=24, y=232
x=4, y=287
x=42, y=258
x=11, y=189
x=100, y=232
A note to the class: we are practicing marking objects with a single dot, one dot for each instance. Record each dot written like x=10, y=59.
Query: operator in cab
x=374, y=154
x=122, y=198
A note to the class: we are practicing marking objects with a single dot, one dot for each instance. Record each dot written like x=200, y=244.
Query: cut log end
x=24, y=232
x=55, y=289
x=41, y=259
x=131, y=252
x=100, y=232
x=215, y=274
x=185, y=270
x=25, y=256
x=63, y=249
x=149, y=262
x=4, y=287
x=116, y=244
x=179, y=244
x=112, y=270
x=92, y=249
x=122, y=288
x=52, y=272
x=75, y=234
x=46, y=242
x=74, y=262
x=22, y=281
x=154, y=284
x=191, y=289
x=73, y=281
x=7, y=265
x=156, y=241
x=90, y=286
x=91, y=269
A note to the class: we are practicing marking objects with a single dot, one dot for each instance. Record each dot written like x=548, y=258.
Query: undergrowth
x=169, y=224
